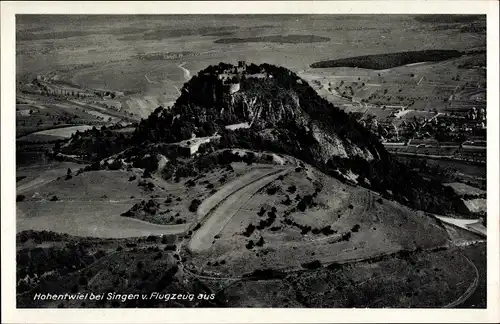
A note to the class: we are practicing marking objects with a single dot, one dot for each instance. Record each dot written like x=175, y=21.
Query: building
x=235, y=87
x=242, y=67
x=189, y=147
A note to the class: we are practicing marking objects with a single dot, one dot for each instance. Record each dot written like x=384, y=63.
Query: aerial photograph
x=242, y=161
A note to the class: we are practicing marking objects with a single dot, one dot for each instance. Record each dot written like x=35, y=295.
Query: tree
x=82, y=281
x=194, y=205
x=249, y=230
x=68, y=174
x=249, y=245
x=312, y=265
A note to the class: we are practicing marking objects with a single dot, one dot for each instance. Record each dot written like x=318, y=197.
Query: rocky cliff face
x=281, y=101
x=261, y=109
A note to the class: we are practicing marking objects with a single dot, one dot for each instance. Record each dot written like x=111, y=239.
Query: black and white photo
x=251, y=161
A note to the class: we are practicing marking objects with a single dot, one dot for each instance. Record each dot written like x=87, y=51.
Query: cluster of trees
x=327, y=230
x=147, y=185
x=250, y=245
x=312, y=265
x=271, y=217
x=60, y=92
x=430, y=169
x=95, y=144
x=306, y=202
x=249, y=230
x=150, y=211
x=265, y=274
x=272, y=189
x=263, y=223
x=36, y=262
x=40, y=236
x=150, y=207
x=167, y=126
x=304, y=229
x=154, y=275
x=390, y=60
x=179, y=169
x=408, y=186
x=288, y=139
x=147, y=270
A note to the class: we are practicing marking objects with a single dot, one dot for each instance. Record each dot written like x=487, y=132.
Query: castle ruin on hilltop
x=232, y=77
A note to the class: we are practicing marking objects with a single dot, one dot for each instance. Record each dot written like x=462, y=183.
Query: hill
x=282, y=114
x=250, y=182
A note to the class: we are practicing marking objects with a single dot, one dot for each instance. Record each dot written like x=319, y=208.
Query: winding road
x=470, y=290
x=220, y=208
x=187, y=74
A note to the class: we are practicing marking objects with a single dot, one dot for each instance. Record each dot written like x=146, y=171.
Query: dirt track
x=470, y=290
x=224, y=204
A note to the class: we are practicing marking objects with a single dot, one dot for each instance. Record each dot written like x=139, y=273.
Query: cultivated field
x=37, y=174
x=462, y=189
x=88, y=204
x=93, y=203
x=76, y=218
x=422, y=90
x=54, y=134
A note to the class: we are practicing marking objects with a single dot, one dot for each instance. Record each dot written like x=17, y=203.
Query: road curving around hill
x=217, y=210
x=470, y=290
